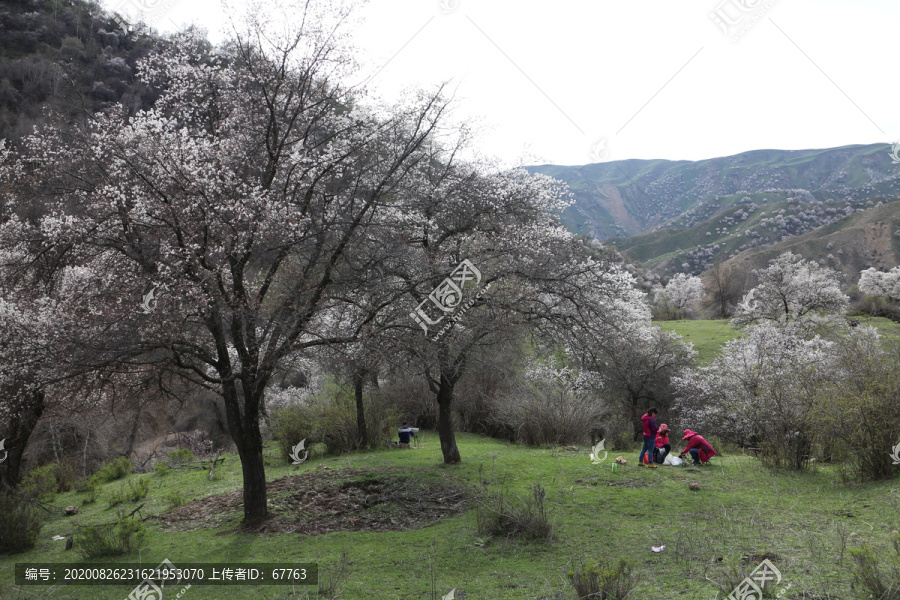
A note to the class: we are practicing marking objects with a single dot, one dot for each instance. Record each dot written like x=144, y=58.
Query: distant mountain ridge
x=631, y=197
x=683, y=216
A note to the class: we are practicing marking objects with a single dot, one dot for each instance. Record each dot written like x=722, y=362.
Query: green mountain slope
x=632, y=197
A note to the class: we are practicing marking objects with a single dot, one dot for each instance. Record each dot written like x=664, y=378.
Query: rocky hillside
x=859, y=241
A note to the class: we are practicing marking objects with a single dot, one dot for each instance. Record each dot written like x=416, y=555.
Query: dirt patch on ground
x=624, y=482
x=389, y=499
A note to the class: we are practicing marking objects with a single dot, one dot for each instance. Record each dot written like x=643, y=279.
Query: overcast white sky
x=580, y=81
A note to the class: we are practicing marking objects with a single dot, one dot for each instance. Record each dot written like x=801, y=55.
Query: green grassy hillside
x=708, y=336
x=805, y=523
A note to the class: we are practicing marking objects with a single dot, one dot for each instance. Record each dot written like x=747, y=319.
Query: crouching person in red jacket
x=700, y=450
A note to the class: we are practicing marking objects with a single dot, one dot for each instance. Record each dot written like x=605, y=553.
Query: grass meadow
x=808, y=524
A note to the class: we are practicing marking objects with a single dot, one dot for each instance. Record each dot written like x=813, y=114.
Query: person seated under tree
x=405, y=432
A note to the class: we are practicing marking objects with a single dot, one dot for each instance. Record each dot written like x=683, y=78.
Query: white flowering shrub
x=552, y=405
x=761, y=390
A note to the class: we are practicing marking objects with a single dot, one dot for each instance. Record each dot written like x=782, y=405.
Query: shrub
x=91, y=496
x=117, y=469
x=618, y=433
x=502, y=513
x=161, y=469
x=134, y=491
x=861, y=412
x=88, y=486
x=475, y=397
x=103, y=540
x=20, y=525
x=336, y=421
x=65, y=477
x=88, y=483
x=116, y=497
x=603, y=580
x=382, y=419
x=331, y=420
x=138, y=490
x=180, y=456
x=549, y=413
x=175, y=498
x=40, y=482
x=882, y=583
x=290, y=425
x=730, y=574
x=551, y=405
x=333, y=577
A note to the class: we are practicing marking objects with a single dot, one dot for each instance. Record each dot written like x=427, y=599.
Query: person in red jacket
x=663, y=447
x=700, y=450
x=650, y=429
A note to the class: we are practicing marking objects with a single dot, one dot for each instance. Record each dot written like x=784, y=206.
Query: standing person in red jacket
x=662, y=444
x=701, y=451
x=650, y=430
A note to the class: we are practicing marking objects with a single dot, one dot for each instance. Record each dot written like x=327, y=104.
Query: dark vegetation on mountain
x=68, y=56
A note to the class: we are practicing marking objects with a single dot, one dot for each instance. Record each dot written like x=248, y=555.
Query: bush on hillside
x=116, y=469
x=881, y=578
x=45, y=481
x=20, y=524
x=502, y=513
x=605, y=579
x=102, y=540
x=550, y=406
x=330, y=420
x=40, y=482
x=861, y=411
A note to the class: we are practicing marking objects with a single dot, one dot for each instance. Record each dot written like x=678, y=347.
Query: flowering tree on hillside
x=525, y=268
x=792, y=290
x=50, y=332
x=227, y=211
x=636, y=362
x=723, y=288
x=880, y=283
x=683, y=293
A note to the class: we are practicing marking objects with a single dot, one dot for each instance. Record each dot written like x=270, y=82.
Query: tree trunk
x=445, y=422
x=254, y=472
x=244, y=429
x=21, y=427
x=361, y=433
